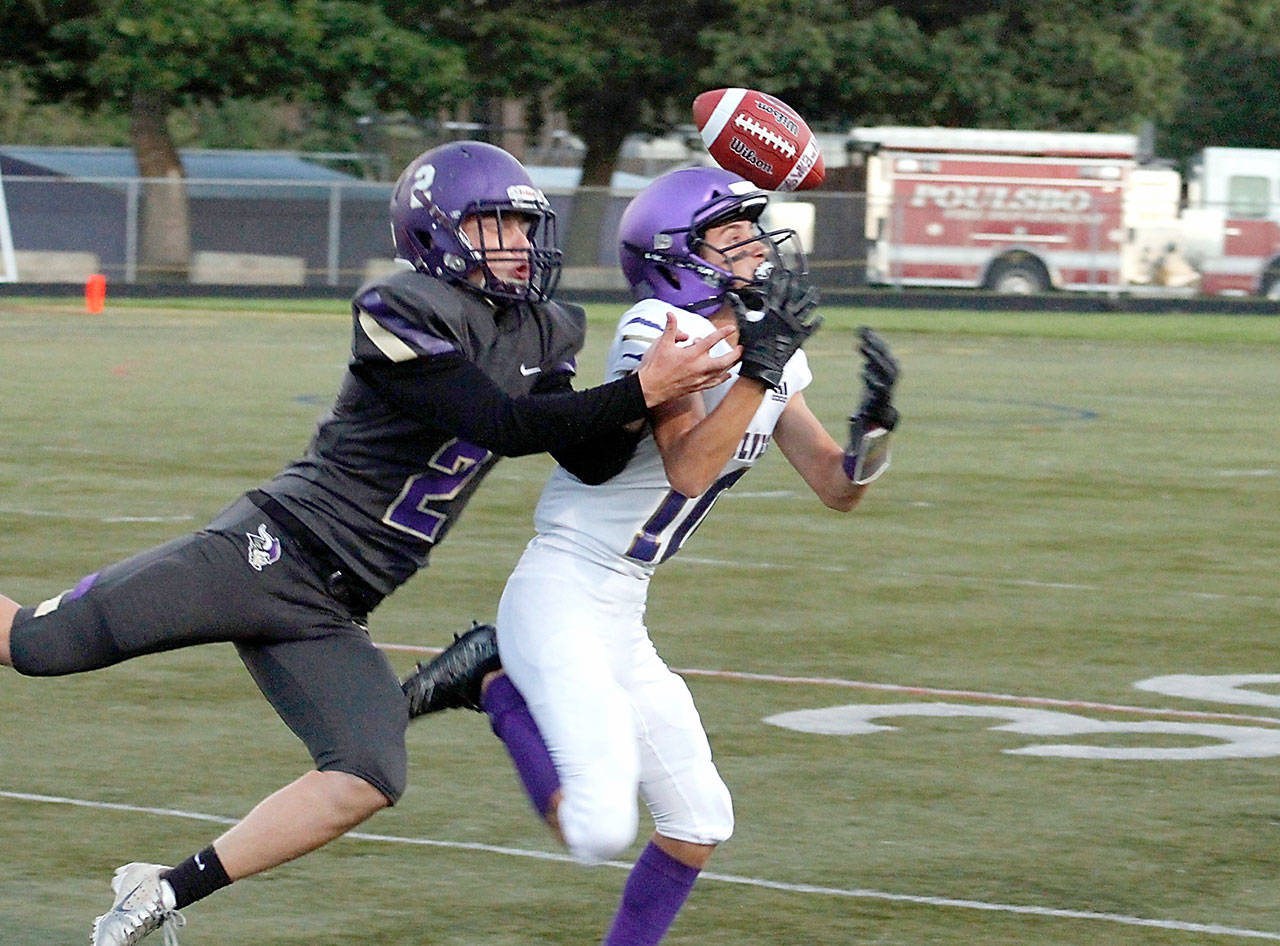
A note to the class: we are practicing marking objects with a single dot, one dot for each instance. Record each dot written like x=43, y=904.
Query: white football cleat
x=144, y=903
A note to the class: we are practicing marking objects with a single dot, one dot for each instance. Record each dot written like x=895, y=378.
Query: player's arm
x=446, y=391
x=695, y=448
x=599, y=458
x=816, y=456
x=867, y=455
x=840, y=476
x=695, y=445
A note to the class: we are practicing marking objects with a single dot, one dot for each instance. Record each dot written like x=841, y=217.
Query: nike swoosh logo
x=528, y=371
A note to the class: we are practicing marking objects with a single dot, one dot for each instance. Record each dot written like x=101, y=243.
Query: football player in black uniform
x=457, y=360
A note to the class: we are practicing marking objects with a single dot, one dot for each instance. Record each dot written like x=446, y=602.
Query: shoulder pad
x=409, y=315
x=648, y=317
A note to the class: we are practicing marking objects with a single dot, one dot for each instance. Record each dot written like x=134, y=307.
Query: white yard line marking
x=967, y=579
x=976, y=696
x=44, y=514
x=980, y=696
x=785, y=887
x=761, y=566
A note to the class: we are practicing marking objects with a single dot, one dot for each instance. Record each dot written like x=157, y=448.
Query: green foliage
x=184, y=51
x=1072, y=65
x=1230, y=53
x=26, y=120
x=1200, y=71
x=614, y=67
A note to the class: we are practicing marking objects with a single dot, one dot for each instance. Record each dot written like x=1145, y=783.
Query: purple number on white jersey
x=647, y=542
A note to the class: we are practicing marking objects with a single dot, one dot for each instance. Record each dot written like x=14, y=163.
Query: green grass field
x=1077, y=503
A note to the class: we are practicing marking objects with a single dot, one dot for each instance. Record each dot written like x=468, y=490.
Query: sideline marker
x=95, y=294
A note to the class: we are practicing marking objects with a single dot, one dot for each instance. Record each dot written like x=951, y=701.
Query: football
x=760, y=137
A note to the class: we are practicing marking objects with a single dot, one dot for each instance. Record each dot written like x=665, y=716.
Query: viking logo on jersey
x=264, y=548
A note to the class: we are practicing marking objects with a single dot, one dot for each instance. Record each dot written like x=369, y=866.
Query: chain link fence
x=327, y=234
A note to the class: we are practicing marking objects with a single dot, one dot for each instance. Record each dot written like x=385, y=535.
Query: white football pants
x=572, y=638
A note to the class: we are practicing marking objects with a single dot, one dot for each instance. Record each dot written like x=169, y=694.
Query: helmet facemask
x=491, y=257
x=782, y=251
x=443, y=189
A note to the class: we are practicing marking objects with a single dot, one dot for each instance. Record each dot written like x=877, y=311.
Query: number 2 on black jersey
x=448, y=472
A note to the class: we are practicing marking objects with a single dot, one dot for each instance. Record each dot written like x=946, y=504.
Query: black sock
x=196, y=877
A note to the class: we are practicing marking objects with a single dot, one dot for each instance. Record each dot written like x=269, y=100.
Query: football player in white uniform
x=582, y=678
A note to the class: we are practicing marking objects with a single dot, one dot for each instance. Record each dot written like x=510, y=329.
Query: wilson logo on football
x=760, y=138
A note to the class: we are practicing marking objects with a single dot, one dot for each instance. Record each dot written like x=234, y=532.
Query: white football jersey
x=636, y=520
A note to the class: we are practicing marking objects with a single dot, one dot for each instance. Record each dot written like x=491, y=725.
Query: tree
x=614, y=67
x=1199, y=71
x=1230, y=50
x=148, y=58
x=1074, y=64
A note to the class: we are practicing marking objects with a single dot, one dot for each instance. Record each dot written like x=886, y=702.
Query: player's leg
x=511, y=722
x=341, y=697
x=657, y=887
x=364, y=771
x=463, y=675
x=8, y=608
x=339, y=694
x=304, y=815
x=553, y=650
x=191, y=590
x=689, y=802
x=299, y=818
x=334, y=689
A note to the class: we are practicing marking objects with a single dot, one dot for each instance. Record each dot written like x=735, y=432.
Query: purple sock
x=513, y=724
x=654, y=894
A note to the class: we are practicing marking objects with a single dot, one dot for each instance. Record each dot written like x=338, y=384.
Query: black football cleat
x=452, y=680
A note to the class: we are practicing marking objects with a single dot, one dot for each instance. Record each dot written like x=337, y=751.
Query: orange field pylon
x=95, y=293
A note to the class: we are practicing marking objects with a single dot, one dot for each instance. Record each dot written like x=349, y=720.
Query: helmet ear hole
x=666, y=273
x=424, y=238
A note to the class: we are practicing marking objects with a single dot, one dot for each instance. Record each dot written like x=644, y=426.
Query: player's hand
x=879, y=374
x=868, y=454
x=773, y=321
x=671, y=370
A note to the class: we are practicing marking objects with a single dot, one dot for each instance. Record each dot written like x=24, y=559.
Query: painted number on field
x=1220, y=741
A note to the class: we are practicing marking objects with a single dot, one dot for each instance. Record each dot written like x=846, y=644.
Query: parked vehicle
x=1028, y=211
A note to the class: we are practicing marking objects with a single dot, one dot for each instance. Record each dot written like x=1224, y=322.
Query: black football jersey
x=380, y=486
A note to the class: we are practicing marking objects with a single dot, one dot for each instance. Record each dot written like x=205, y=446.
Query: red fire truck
x=1012, y=211
x=1233, y=207
x=1025, y=211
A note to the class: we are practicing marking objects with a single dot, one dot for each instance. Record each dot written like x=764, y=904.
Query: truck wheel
x=1017, y=279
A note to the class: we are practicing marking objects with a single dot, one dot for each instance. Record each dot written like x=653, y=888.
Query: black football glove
x=868, y=455
x=879, y=374
x=774, y=319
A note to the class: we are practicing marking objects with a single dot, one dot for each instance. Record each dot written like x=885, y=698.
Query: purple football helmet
x=442, y=187
x=660, y=236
